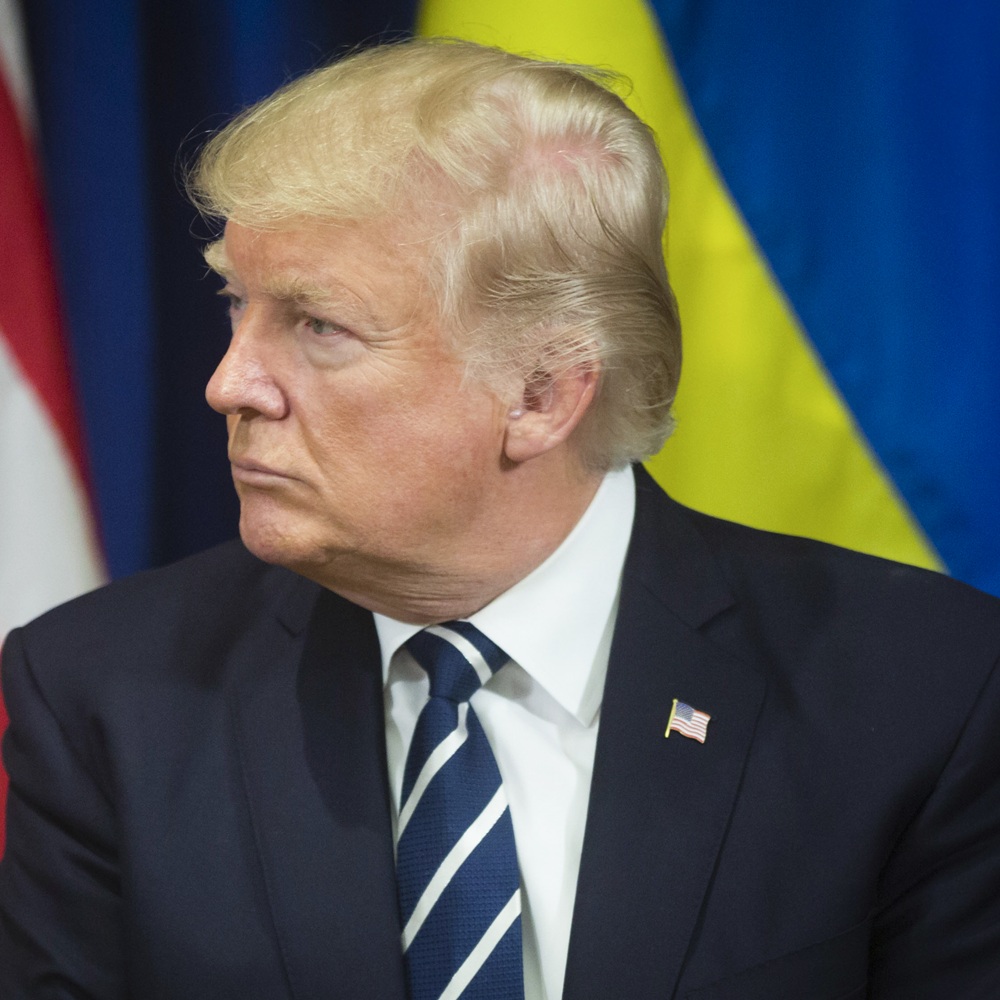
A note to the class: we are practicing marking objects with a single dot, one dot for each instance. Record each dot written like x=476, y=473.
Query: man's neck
x=476, y=563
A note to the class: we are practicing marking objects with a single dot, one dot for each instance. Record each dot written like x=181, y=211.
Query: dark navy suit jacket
x=199, y=806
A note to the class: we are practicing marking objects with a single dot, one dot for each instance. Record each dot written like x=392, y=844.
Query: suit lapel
x=308, y=709
x=659, y=808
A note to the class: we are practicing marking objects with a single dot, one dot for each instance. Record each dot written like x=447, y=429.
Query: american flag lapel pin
x=687, y=721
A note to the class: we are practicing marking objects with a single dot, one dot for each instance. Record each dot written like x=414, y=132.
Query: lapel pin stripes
x=687, y=721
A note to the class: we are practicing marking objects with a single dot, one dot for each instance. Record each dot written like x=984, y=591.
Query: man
x=717, y=763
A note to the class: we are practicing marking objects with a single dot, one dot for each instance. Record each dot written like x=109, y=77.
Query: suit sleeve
x=60, y=899
x=938, y=929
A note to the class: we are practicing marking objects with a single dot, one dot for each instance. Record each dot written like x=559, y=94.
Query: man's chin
x=273, y=544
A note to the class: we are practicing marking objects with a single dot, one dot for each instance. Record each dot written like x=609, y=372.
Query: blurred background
x=834, y=243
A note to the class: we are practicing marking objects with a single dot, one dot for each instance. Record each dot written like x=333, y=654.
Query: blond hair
x=541, y=197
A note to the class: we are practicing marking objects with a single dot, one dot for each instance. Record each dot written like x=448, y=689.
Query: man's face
x=356, y=445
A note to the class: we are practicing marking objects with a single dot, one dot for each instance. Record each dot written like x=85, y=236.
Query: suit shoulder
x=810, y=564
x=791, y=586
x=198, y=603
x=223, y=569
x=798, y=577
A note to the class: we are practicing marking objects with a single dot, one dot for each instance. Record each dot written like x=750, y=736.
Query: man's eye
x=234, y=304
x=323, y=327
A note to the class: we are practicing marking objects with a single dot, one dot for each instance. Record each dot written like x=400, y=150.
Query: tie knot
x=458, y=659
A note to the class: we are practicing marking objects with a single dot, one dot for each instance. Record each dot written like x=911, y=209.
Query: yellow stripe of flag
x=763, y=435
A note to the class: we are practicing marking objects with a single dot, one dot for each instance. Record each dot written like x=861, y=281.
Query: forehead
x=369, y=266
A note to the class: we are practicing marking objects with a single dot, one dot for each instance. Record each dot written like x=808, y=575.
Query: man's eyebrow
x=293, y=288
x=216, y=259
x=285, y=288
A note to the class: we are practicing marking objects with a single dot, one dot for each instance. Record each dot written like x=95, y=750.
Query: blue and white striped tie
x=459, y=886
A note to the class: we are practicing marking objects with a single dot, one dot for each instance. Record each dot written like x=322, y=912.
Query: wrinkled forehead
x=414, y=232
x=374, y=275
x=393, y=244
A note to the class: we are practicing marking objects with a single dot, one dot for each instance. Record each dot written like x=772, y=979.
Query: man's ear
x=548, y=411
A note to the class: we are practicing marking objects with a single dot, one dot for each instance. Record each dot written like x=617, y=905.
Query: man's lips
x=246, y=470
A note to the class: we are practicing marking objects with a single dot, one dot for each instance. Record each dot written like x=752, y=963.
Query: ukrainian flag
x=834, y=241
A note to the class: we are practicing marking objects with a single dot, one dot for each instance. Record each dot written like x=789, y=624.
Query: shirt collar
x=557, y=622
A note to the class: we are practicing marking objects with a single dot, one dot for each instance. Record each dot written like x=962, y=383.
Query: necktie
x=459, y=886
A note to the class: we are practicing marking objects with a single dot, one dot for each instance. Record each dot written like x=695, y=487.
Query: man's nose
x=243, y=383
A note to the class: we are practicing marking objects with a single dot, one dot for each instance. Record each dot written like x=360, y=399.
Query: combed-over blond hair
x=541, y=196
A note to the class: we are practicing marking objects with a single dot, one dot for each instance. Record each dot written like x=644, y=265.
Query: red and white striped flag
x=48, y=545
x=688, y=722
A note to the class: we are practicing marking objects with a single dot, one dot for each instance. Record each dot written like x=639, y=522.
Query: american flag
x=688, y=722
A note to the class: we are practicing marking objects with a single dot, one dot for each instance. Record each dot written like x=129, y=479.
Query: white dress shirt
x=540, y=712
